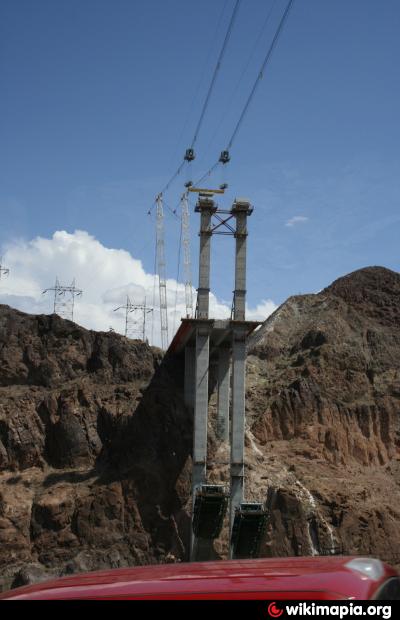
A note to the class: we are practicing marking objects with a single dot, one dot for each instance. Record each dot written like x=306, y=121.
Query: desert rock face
x=95, y=441
x=324, y=409
x=93, y=435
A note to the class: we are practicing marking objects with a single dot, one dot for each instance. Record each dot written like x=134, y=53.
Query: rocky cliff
x=324, y=410
x=93, y=436
x=95, y=440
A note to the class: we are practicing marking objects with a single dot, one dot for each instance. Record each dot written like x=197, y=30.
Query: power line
x=135, y=319
x=64, y=298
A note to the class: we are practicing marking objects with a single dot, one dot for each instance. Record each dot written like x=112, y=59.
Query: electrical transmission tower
x=64, y=299
x=135, y=319
x=187, y=266
x=4, y=272
x=161, y=272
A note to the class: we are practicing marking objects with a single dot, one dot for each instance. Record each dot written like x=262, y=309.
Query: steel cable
x=253, y=90
x=217, y=68
x=261, y=72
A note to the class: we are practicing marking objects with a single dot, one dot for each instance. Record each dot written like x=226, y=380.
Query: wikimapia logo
x=274, y=611
x=336, y=610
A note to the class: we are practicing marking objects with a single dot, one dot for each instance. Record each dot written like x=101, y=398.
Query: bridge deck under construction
x=220, y=331
x=216, y=349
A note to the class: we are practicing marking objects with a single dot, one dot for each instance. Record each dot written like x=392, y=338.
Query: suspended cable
x=225, y=155
x=172, y=179
x=208, y=173
x=201, y=78
x=261, y=73
x=215, y=73
x=243, y=73
x=189, y=154
x=172, y=211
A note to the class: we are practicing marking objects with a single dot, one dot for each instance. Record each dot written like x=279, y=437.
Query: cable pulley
x=189, y=155
x=224, y=157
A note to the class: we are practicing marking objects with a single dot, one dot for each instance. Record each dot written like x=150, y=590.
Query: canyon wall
x=95, y=441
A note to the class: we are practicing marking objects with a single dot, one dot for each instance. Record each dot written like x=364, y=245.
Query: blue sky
x=100, y=99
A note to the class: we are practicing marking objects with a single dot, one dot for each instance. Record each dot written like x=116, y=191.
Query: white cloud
x=297, y=219
x=106, y=277
x=261, y=311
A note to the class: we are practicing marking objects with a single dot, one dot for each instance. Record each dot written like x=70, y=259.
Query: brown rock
x=95, y=442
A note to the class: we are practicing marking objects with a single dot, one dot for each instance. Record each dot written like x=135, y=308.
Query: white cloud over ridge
x=106, y=277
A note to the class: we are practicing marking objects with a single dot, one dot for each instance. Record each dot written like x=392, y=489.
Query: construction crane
x=162, y=283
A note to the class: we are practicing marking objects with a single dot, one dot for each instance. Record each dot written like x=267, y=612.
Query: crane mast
x=162, y=272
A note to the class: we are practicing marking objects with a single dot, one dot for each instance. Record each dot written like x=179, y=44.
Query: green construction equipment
x=248, y=528
x=210, y=504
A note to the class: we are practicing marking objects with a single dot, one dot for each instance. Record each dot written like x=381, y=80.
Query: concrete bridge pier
x=223, y=375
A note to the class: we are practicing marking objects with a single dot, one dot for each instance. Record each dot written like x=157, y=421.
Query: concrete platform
x=220, y=331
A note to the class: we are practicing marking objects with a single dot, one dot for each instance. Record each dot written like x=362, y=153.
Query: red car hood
x=290, y=578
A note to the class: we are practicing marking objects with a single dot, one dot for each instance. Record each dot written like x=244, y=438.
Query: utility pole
x=64, y=298
x=4, y=272
x=162, y=272
x=135, y=319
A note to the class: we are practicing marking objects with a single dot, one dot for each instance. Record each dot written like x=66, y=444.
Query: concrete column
x=238, y=419
x=206, y=208
x=241, y=210
x=201, y=397
x=190, y=370
x=200, y=411
x=224, y=364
